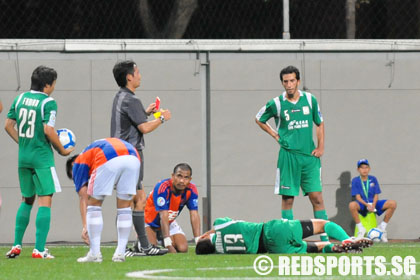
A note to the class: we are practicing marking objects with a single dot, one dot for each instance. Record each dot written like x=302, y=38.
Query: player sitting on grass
x=165, y=203
x=276, y=236
x=365, y=189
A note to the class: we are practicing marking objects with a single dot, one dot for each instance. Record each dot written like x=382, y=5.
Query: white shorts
x=121, y=172
x=174, y=228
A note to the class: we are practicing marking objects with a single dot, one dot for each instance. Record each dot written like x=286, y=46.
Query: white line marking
x=150, y=274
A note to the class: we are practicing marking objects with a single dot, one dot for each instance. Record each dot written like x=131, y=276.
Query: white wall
x=364, y=117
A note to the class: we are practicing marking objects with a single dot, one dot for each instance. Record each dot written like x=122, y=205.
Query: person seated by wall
x=365, y=189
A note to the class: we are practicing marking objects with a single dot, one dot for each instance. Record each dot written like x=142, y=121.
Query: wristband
x=167, y=241
x=162, y=119
x=196, y=239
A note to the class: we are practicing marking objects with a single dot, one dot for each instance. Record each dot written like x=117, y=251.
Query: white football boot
x=90, y=258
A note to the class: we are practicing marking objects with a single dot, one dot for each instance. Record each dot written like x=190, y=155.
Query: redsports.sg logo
x=331, y=265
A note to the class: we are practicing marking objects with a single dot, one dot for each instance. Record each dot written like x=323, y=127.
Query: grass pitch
x=174, y=266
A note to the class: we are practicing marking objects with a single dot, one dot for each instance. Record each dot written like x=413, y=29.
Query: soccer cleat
x=131, y=252
x=41, y=255
x=90, y=258
x=357, y=242
x=154, y=250
x=361, y=233
x=384, y=237
x=118, y=257
x=128, y=252
x=14, y=252
x=340, y=248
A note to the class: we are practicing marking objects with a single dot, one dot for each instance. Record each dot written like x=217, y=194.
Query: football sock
x=22, y=220
x=287, y=214
x=324, y=237
x=124, y=223
x=43, y=219
x=335, y=231
x=360, y=227
x=322, y=214
x=383, y=226
x=138, y=221
x=328, y=248
x=95, y=224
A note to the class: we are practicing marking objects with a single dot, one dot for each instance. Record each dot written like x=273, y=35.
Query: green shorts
x=40, y=181
x=284, y=237
x=295, y=171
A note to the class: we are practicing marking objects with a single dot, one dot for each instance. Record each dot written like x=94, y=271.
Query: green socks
x=287, y=214
x=43, y=219
x=335, y=231
x=322, y=214
x=22, y=220
x=328, y=248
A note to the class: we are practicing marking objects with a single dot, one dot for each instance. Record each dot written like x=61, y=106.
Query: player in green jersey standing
x=276, y=236
x=30, y=123
x=298, y=164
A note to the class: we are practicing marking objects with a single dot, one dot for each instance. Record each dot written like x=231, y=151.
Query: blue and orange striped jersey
x=163, y=198
x=96, y=154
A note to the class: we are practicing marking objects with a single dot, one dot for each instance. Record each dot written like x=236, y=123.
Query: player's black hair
x=289, y=70
x=183, y=166
x=69, y=166
x=205, y=247
x=121, y=70
x=41, y=77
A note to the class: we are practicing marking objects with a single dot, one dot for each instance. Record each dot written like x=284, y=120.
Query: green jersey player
x=30, y=123
x=298, y=164
x=276, y=236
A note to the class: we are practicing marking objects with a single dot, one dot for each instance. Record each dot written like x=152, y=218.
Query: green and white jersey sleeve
x=316, y=110
x=236, y=237
x=294, y=121
x=49, y=112
x=32, y=110
x=12, y=111
x=270, y=110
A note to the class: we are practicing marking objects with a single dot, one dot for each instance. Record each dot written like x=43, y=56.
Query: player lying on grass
x=276, y=236
x=103, y=165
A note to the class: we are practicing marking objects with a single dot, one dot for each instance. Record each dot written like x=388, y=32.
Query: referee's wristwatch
x=162, y=119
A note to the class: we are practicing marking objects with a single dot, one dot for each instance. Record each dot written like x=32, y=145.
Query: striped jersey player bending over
x=165, y=203
x=276, y=236
x=103, y=165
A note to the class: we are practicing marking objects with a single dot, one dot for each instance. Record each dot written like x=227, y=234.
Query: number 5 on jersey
x=286, y=115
